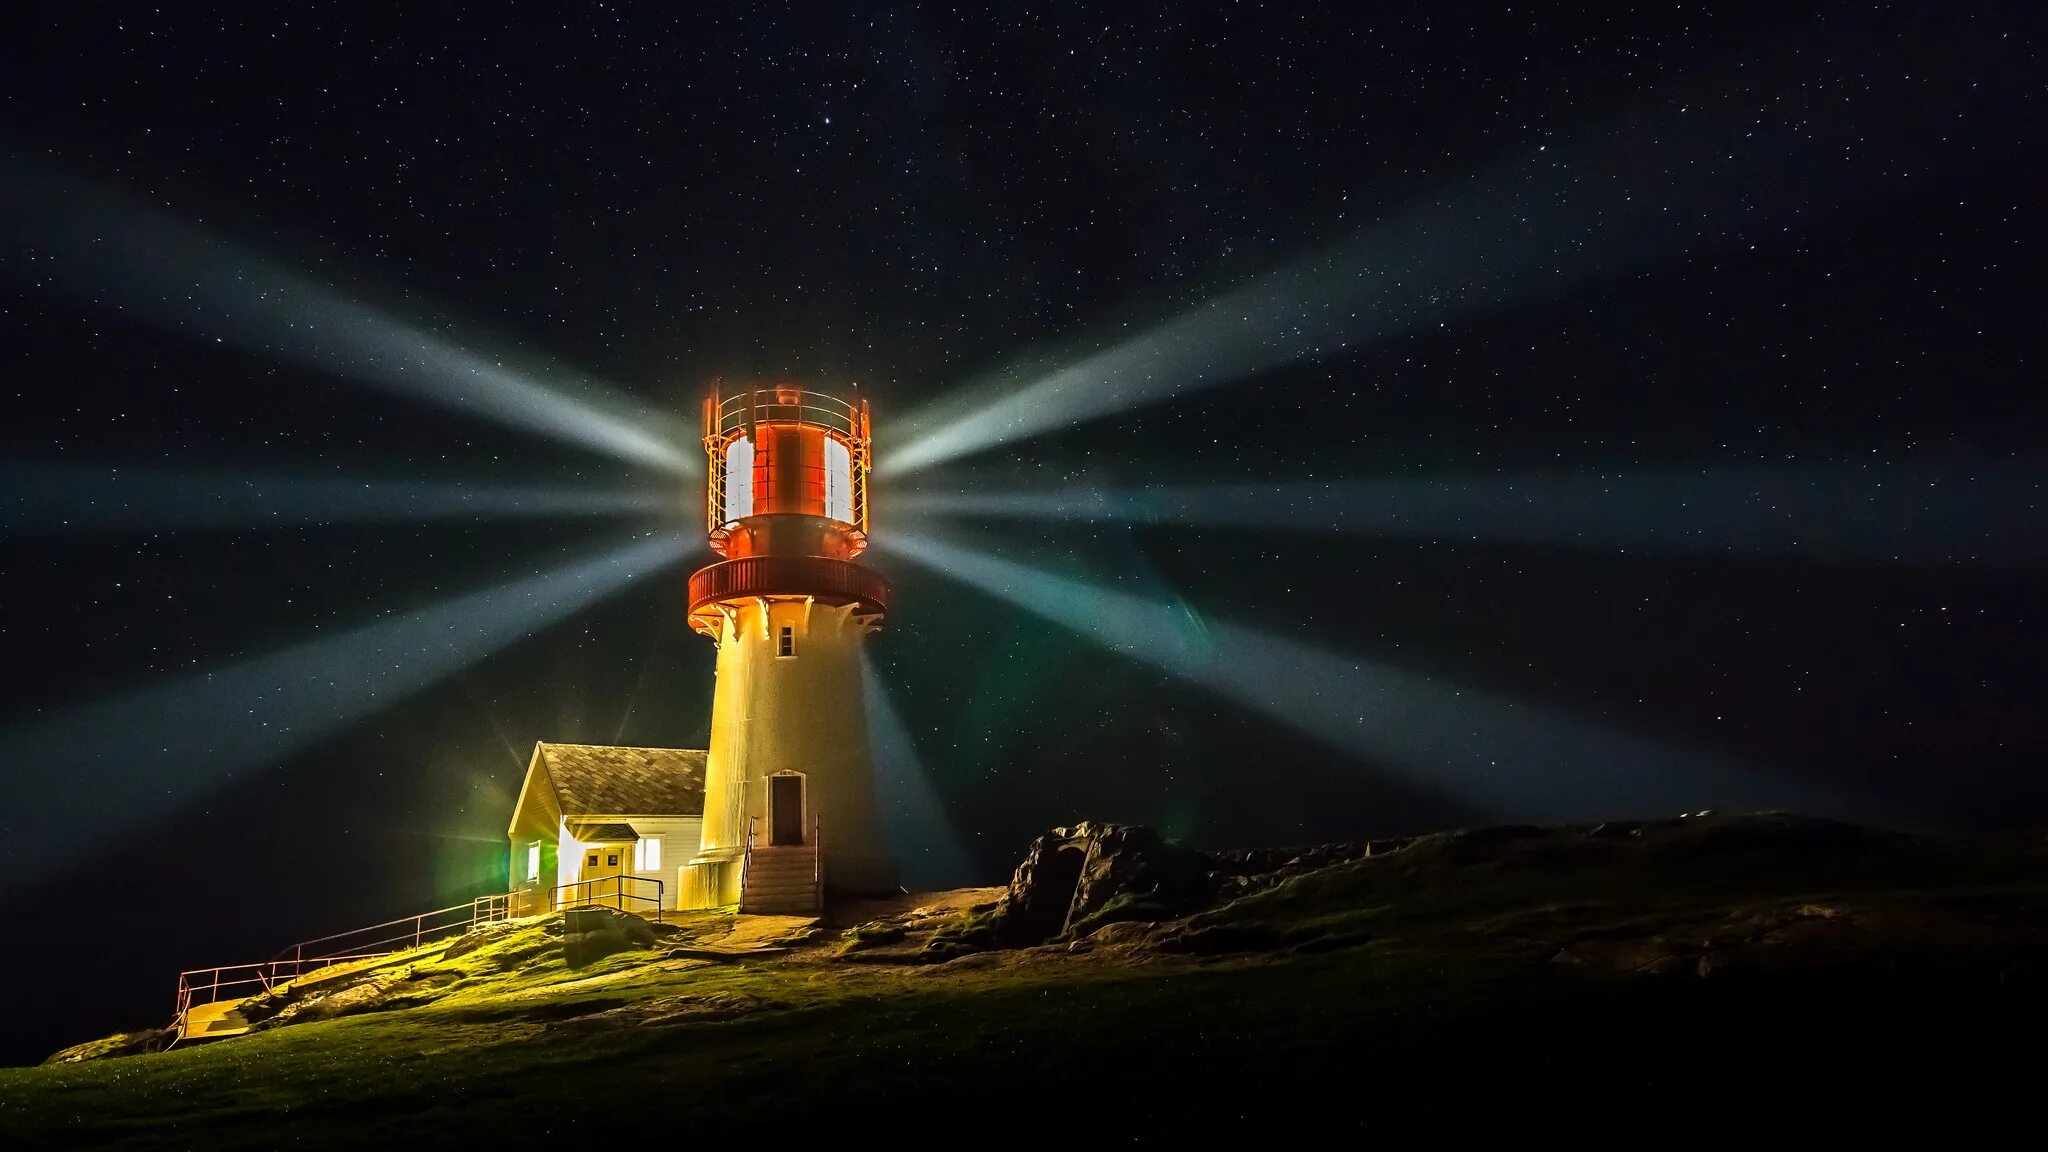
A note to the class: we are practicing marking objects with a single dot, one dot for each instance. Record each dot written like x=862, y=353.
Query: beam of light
x=1512, y=760
x=1687, y=171
x=141, y=263
x=1979, y=512
x=913, y=820
x=53, y=498
x=76, y=777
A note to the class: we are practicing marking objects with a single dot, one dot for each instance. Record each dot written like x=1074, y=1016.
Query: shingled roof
x=598, y=780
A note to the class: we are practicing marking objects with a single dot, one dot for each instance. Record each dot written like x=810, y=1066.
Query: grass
x=1372, y=997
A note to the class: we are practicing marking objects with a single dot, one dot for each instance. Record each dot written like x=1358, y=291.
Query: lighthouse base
x=711, y=880
x=715, y=879
x=861, y=875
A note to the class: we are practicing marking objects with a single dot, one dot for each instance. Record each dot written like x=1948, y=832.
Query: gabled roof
x=598, y=780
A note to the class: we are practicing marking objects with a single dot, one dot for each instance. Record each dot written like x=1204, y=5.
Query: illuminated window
x=785, y=645
x=739, y=480
x=532, y=863
x=838, y=481
x=647, y=854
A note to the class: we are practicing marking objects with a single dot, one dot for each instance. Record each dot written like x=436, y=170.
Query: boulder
x=591, y=934
x=1073, y=879
x=1131, y=873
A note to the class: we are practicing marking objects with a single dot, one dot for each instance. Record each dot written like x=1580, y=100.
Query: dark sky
x=910, y=197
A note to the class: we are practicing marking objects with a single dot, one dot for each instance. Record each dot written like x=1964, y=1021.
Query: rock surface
x=122, y=1044
x=591, y=934
x=1074, y=880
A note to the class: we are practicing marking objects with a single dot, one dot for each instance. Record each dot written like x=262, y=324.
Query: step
x=209, y=1021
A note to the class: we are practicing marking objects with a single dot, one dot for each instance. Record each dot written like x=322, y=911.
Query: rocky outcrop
x=1075, y=879
x=123, y=1044
x=1131, y=873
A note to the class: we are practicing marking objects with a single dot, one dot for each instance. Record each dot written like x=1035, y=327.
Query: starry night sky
x=908, y=197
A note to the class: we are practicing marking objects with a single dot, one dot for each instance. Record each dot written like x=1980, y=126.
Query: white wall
x=679, y=837
x=568, y=857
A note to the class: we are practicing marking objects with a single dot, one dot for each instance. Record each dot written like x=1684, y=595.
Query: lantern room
x=788, y=473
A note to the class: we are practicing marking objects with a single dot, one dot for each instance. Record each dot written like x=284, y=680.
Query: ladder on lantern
x=783, y=879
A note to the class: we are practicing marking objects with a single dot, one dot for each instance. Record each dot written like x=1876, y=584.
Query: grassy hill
x=1703, y=974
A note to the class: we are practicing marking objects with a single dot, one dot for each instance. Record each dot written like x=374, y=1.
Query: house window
x=611, y=859
x=533, y=863
x=647, y=854
x=593, y=861
x=785, y=644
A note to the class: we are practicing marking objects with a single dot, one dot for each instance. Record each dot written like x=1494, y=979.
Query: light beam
x=1513, y=760
x=141, y=263
x=101, y=768
x=913, y=818
x=1695, y=167
x=1986, y=512
x=53, y=498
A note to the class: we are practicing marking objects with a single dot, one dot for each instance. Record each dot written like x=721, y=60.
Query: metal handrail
x=747, y=856
x=419, y=932
x=619, y=895
x=283, y=968
x=736, y=410
x=492, y=908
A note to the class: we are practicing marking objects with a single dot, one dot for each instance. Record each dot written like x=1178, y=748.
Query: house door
x=603, y=864
x=785, y=810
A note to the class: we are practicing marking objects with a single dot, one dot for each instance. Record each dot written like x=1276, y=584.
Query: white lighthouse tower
x=789, y=804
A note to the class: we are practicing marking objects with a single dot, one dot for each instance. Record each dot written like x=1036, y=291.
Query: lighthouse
x=789, y=797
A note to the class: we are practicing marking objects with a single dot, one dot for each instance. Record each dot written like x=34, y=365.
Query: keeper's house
x=596, y=823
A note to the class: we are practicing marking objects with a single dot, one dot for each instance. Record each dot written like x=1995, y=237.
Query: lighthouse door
x=786, y=810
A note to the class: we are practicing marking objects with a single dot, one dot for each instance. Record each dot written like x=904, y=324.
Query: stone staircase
x=212, y=1021
x=782, y=881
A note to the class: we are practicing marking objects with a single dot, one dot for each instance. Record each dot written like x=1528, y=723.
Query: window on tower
x=785, y=643
x=739, y=481
x=838, y=480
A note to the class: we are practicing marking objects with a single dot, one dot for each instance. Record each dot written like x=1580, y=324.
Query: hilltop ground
x=1751, y=974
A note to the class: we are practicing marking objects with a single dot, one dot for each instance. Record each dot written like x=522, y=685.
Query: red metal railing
x=818, y=576
x=239, y=981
